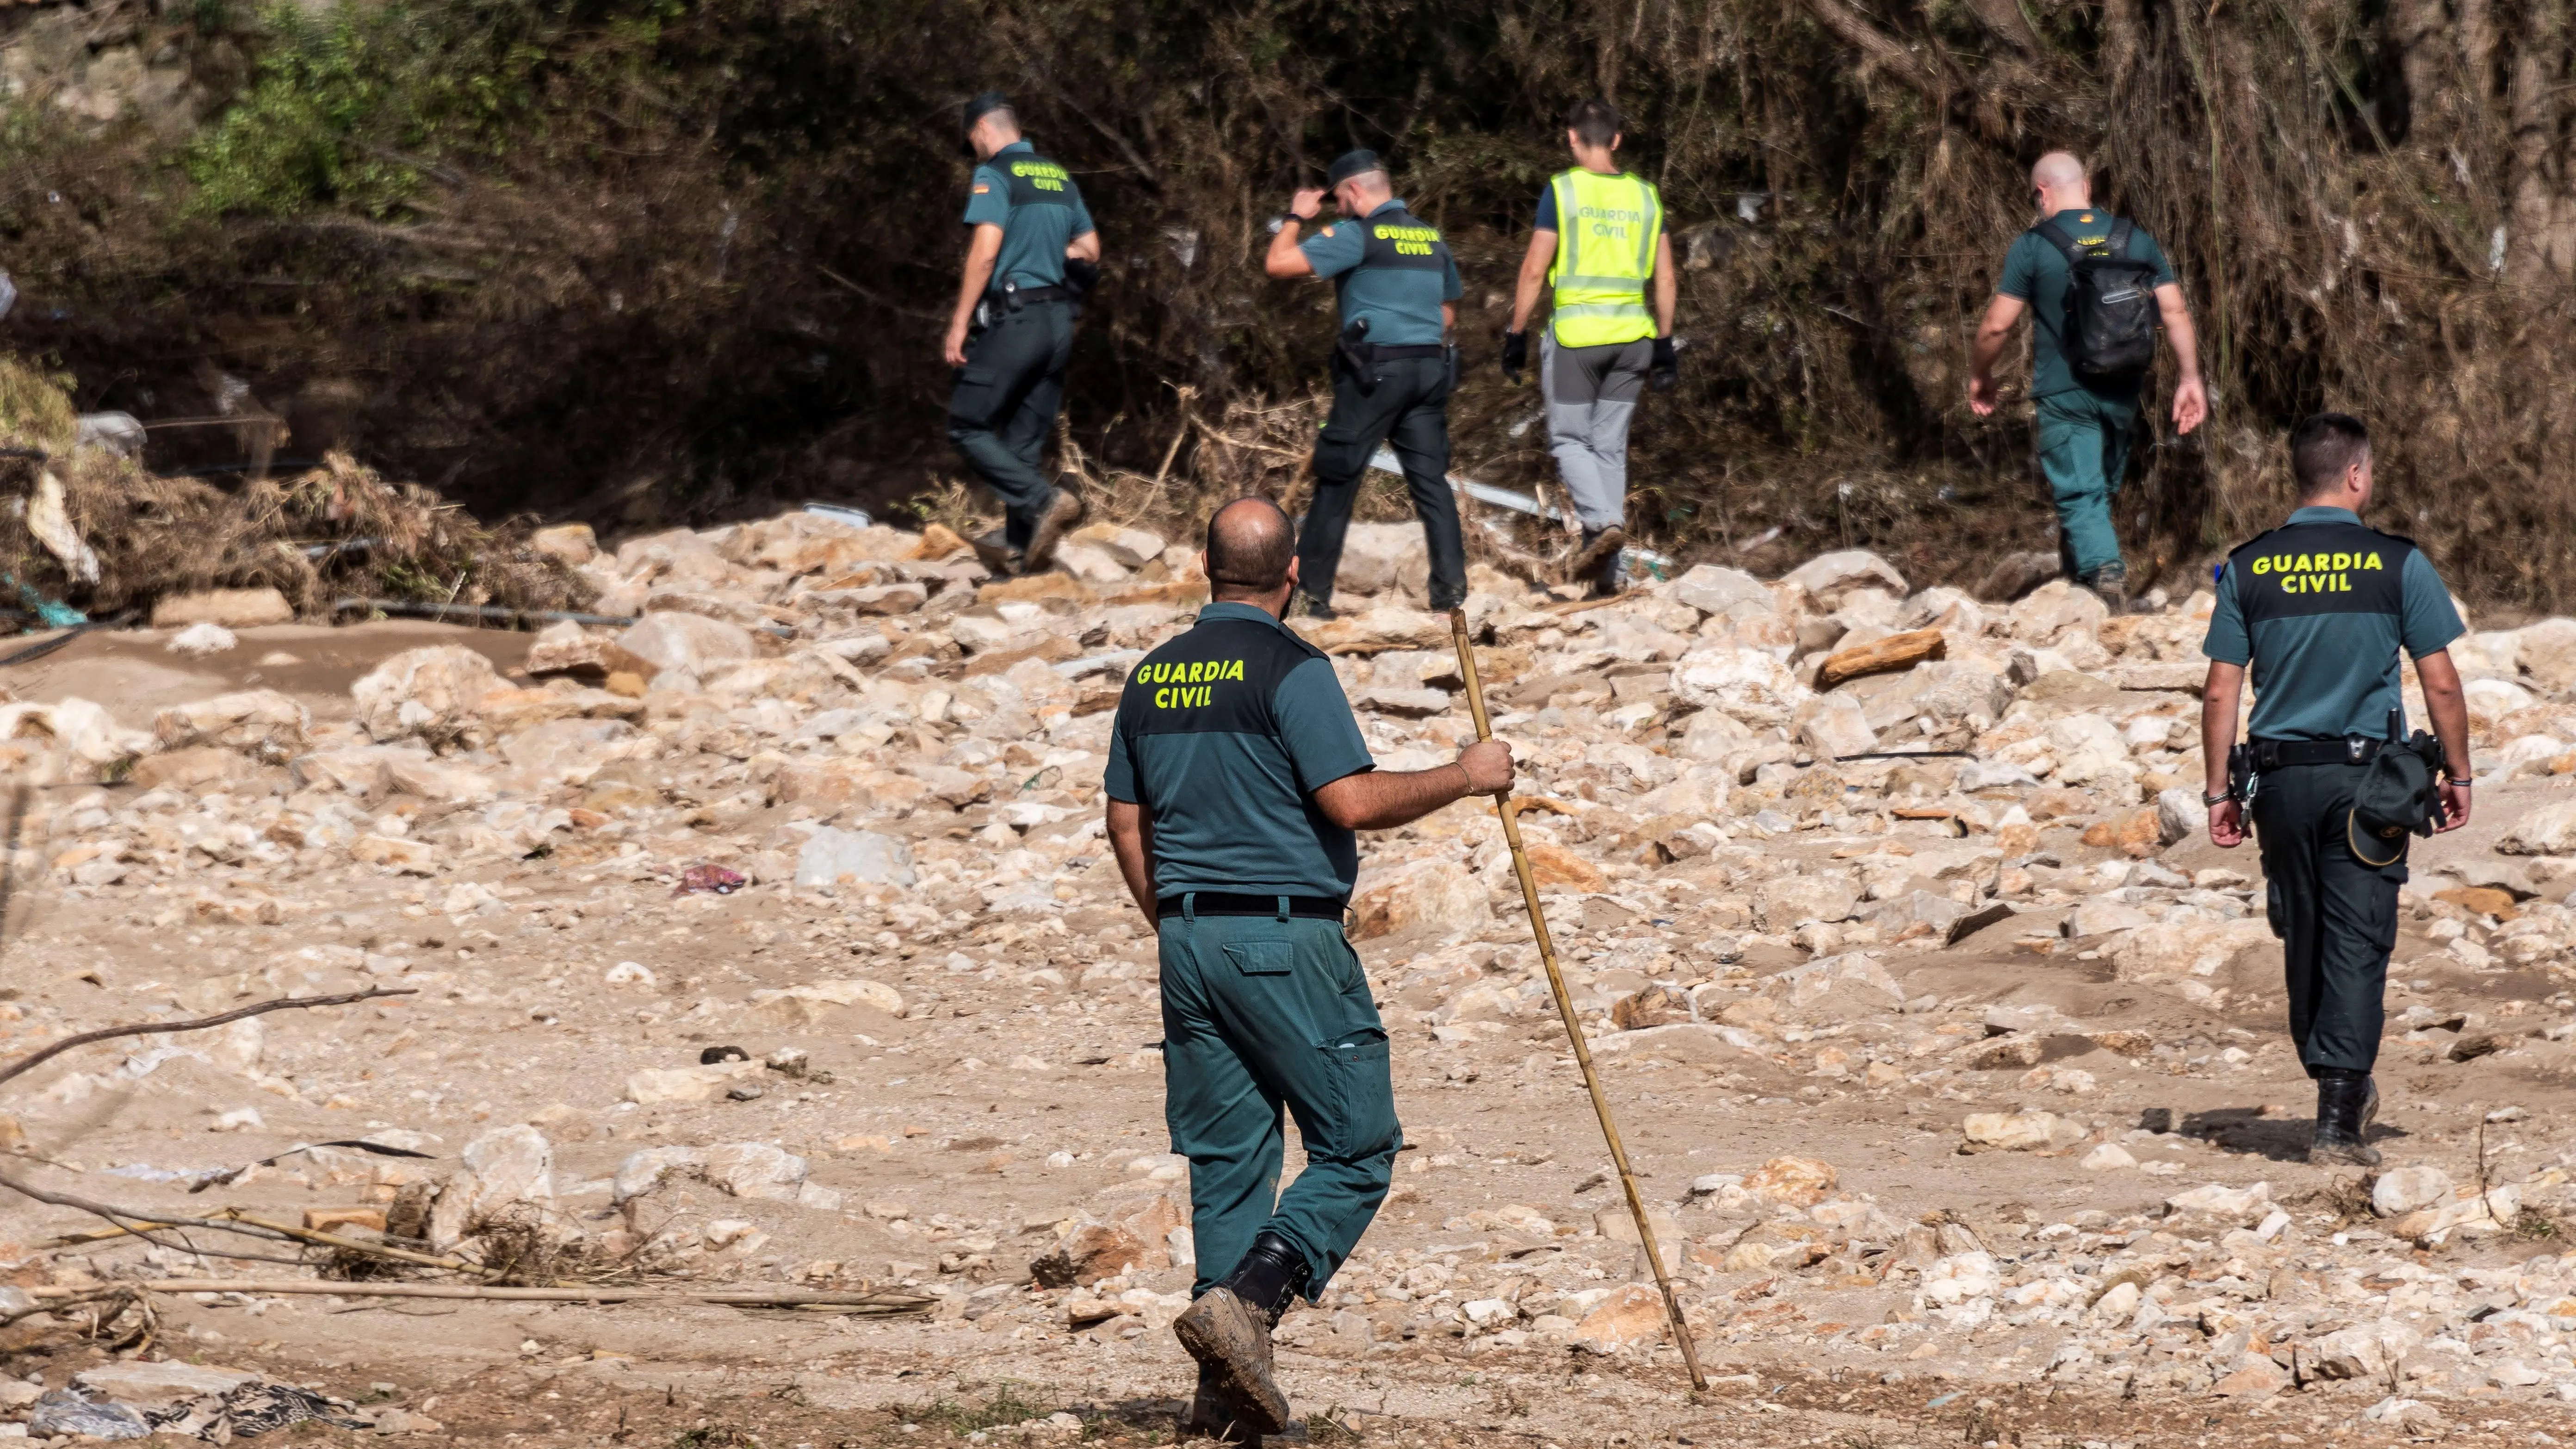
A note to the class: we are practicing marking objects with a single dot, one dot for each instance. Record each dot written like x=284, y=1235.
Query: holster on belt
x=1354, y=353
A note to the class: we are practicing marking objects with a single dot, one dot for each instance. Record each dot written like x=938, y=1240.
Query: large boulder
x=691, y=642
x=1834, y=725
x=1379, y=558
x=260, y=722
x=1828, y=577
x=2549, y=830
x=1715, y=589
x=428, y=694
x=1751, y=685
x=832, y=856
x=2546, y=652
x=1787, y=902
x=1430, y=897
x=2055, y=610
x=503, y=1167
x=568, y=649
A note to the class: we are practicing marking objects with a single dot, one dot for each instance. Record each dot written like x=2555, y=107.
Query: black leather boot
x=1211, y=1415
x=1228, y=1331
x=2346, y=1101
x=1596, y=563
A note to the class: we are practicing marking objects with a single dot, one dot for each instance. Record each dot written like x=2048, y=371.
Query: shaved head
x=2057, y=170
x=1249, y=545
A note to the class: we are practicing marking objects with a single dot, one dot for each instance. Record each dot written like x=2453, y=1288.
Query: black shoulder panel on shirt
x=2304, y=569
x=1220, y=676
x=1034, y=180
x=1400, y=240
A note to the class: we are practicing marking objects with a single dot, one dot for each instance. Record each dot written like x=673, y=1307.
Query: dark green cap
x=1350, y=164
x=985, y=105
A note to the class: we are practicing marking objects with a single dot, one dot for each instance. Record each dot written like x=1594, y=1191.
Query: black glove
x=1666, y=373
x=1080, y=276
x=1515, y=355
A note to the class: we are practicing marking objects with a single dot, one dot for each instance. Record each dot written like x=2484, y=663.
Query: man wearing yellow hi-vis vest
x=1598, y=248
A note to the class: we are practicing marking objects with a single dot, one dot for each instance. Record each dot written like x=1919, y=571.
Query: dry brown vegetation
x=641, y=259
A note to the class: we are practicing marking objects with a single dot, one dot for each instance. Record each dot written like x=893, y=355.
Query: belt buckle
x=2353, y=746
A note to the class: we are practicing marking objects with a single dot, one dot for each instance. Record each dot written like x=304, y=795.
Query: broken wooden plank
x=1879, y=656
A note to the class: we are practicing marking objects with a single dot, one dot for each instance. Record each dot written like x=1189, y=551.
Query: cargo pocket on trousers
x=1362, y=1094
x=1262, y=958
x=972, y=400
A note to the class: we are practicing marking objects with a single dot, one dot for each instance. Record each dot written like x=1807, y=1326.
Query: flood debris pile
x=773, y=940
x=90, y=530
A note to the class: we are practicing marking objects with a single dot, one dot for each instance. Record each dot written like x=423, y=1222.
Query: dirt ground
x=1005, y=1100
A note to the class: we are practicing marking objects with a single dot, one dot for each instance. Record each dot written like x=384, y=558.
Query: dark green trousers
x=1408, y=410
x=2083, y=451
x=1261, y=1012
x=1004, y=405
x=2335, y=915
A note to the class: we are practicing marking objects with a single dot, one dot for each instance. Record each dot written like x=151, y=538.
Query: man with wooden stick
x=1236, y=778
x=1598, y=246
x=2096, y=286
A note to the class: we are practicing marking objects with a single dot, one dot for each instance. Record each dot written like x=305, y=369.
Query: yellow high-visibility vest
x=1606, y=228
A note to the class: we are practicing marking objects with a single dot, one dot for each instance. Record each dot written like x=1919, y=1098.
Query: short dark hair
x=1596, y=121
x=2322, y=447
x=1249, y=544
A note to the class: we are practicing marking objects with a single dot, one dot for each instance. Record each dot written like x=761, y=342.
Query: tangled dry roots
x=337, y=531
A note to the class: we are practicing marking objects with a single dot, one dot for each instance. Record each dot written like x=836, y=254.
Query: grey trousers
x=1591, y=394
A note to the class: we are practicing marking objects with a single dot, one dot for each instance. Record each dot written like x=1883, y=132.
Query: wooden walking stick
x=1565, y=1009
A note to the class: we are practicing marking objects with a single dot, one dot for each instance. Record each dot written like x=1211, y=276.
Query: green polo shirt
x=1039, y=209
x=2036, y=272
x=1390, y=267
x=1224, y=734
x=2318, y=609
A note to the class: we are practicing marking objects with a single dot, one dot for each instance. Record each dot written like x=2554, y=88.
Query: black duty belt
x=1398, y=354
x=1221, y=903
x=2280, y=754
x=1017, y=297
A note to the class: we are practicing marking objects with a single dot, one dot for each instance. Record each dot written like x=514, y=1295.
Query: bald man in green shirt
x=2086, y=422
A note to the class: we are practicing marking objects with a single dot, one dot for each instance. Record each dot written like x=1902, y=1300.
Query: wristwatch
x=2211, y=801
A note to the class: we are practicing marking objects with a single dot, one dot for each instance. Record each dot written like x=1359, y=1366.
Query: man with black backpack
x=2097, y=287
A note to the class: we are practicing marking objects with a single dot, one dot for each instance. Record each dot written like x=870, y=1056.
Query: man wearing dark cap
x=1032, y=256
x=1236, y=778
x=1398, y=290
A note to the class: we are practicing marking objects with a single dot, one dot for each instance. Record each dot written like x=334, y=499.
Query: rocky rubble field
x=773, y=940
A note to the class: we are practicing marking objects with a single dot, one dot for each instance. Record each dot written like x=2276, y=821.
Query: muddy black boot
x=994, y=551
x=2111, y=583
x=1064, y=510
x=1303, y=605
x=1228, y=1330
x=1212, y=1416
x=2346, y=1101
x=1597, y=562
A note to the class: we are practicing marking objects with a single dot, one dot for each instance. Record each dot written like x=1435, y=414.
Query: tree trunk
x=2531, y=102
x=2419, y=31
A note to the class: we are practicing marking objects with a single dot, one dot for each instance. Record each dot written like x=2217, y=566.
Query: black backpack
x=2109, y=333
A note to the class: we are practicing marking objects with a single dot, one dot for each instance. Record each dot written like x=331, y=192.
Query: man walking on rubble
x=2319, y=609
x=1397, y=289
x=2096, y=286
x=1236, y=777
x=1032, y=257
x=1599, y=244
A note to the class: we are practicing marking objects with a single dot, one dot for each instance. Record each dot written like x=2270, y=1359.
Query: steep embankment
x=641, y=259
